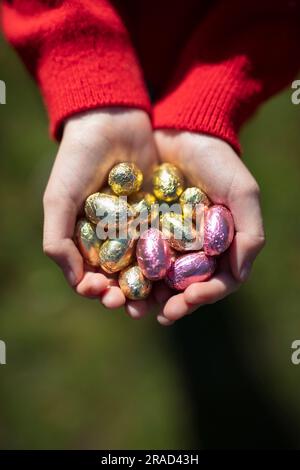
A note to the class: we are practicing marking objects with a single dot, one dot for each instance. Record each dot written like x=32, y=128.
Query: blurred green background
x=78, y=376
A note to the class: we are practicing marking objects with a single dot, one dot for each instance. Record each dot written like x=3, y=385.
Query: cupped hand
x=213, y=165
x=92, y=143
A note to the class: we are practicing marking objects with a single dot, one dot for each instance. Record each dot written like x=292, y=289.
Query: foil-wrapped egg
x=180, y=233
x=125, y=179
x=168, y=182
x=107, y=209
x=193, y=200
x=190, y=268
x=218, y=230
x=88, y=242
x=134, y=284
x=145, y=210
x=142, y=203
x=153, y=254
x=116, y=254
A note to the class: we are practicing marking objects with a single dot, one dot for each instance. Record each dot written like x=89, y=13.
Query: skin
x=213, y=165
x=92, y=143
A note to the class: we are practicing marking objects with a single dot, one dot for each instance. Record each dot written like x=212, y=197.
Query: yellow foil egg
x=142, y=202
x=192, y=199
x=107, y=208
x=125, y=179
x=88, y=242
x=116, y=254
x=168, y=182
x=134, y=284
x=181, y=234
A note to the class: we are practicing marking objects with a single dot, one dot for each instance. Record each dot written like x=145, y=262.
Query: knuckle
x=252, y=189
x=246, y=189
x=255, y=189
x=50, y=199
x=261, y=242
x=50, y=249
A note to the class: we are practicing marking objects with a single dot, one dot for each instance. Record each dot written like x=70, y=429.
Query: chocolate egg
x=218, y=230
x=153, y=254
x=134, y=284
x=142, y=202
x=190, y=268
x=168, y=182
x=116, y=254
x=88, y=242
x=125, y=179
x=192, y=199
x=101, y=207
x=181, y=234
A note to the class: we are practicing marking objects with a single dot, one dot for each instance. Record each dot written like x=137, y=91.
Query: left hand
x=212, y=164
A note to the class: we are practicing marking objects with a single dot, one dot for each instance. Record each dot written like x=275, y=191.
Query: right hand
x=92, y=143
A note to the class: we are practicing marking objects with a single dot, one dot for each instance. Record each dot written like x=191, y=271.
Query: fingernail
x=246, y=270
x=164, y=321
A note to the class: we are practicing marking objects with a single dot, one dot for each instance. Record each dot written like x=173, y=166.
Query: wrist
x=108, y=120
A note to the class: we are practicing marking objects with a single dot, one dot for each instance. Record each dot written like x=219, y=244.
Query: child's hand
x=213, y=165
x=92, y=143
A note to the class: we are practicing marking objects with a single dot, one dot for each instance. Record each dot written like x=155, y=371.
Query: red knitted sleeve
x=241, y=54
x=79, y=52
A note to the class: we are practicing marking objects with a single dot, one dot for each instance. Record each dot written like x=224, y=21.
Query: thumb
x=59, y=223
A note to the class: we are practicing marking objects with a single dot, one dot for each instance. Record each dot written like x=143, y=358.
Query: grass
x=78, y=376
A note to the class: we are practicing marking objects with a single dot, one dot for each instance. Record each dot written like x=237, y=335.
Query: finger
x=163, y=321
x=92, y=284
x=249, y=238
x=175, y=308
x=162, y=293
x=113, y=297
x=137, y=309
x=201, y=293
x=218, y=287
x=59, y=222
x=243, y=251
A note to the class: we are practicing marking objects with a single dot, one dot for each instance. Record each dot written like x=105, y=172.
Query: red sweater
x=208, y=63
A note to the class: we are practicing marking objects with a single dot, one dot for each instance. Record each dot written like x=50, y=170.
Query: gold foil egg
x=125, y=179
x=142, y=202
x=180, y=233
x=107, y=208
x=116, y=254
x=88, y=242
x=134, y=284
x=145, y=209
x=168, y=182
x=193, y=198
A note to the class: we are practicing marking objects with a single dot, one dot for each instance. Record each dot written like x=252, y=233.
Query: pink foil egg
x=153, y=254
x=218, y=230
x=190, y=268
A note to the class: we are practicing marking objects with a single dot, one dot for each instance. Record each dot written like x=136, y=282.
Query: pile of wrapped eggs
x=157, y=254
